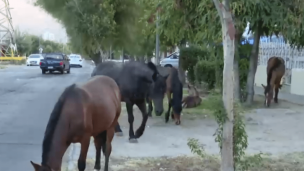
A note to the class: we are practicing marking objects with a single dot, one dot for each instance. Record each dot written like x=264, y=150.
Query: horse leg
x=129, y=106
x=142, y=107
x=83, y=153
x=150, y=108
x=172, y=114
x=118, y=130
x=99, y=142
x=107, y=148
x=169, y=107
x=276, y=92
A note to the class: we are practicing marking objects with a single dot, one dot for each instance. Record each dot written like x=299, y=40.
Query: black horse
x=137, y=82
x=174, y=87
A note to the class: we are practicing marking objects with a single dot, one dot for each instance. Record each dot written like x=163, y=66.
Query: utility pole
x=157, y=40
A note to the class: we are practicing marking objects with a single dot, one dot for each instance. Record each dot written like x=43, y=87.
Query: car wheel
x=80, y=66
x=51, y=72
x=68, y=71
x=43, y=71
x=62, y=71
x=168, y=65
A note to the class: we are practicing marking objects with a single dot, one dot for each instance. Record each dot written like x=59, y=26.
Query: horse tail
x=276, y=64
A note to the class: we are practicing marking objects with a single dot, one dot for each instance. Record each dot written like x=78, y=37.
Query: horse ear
x=152, y=66
x=36, y=166
x=263, y=86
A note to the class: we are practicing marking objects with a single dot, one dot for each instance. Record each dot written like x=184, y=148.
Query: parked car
x=34, y=59
x=75, y=60
x=55, y=62
x=171, y=60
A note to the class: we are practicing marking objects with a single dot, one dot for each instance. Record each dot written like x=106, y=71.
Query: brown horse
x=174, y=88
x=275, y=72
x=193, y=99
x=81, y=112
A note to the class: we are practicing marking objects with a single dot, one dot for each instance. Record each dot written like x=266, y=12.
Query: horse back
x=276, y=65
x=103, y=107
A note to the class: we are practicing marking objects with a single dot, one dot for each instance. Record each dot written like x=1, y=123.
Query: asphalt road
x=26, y=100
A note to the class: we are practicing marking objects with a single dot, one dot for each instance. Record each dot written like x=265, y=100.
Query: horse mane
x=177, y=91
x=50, y=129
x=276, y=64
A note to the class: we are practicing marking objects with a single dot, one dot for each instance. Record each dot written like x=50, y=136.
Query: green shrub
x=189, y=56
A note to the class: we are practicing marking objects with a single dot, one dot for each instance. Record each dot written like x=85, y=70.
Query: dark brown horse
x=174, y=88
x=275, y=72
x=81, y=112
x=193, y=99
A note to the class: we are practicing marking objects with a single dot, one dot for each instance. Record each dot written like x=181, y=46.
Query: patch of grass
x=289, y=162
x=2, y=67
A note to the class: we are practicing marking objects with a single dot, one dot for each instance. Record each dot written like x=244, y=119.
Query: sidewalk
x=293, y=98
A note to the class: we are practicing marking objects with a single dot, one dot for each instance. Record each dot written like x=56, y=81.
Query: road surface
x=26, y=100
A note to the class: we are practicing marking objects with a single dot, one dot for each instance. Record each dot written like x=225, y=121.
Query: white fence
x=294, y=59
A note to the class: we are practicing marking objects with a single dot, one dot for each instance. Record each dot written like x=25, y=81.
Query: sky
x=34, y=20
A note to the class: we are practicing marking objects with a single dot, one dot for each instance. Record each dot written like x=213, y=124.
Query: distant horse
x=275, y=72
x=137, y=81
x=193, y=99
x=173, y=87
x=81, y=112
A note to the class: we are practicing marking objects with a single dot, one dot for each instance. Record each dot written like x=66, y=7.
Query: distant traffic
x=55, y=62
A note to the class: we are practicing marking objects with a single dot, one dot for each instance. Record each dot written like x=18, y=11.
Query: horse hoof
x=178, y=122
x=133, y=140
x=119, y=134
x=166, y=120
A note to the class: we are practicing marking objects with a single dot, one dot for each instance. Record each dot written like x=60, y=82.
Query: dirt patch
x=274, y=131
x=290, y=162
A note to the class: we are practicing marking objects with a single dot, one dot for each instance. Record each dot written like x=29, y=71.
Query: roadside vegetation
x=28, y=44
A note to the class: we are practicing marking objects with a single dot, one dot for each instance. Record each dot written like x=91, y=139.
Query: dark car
x=55, y=62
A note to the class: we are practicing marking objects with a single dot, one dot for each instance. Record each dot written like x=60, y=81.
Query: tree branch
x=218, y=7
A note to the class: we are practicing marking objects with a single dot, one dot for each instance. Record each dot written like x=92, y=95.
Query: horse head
x=268, y=92
x=158, y=89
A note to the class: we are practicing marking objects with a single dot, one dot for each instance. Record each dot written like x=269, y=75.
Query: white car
x=171, y=60
x=75, y=60
x=34, y=59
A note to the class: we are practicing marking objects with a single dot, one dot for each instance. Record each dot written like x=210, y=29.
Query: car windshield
x=74, y=56
x=53, y=56
x=34, y=56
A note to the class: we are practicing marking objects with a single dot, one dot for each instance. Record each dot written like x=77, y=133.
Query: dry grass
x=290, y=162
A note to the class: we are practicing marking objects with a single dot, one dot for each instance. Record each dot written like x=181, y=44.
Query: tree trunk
x=253, y=65
x=228, y=33
x=142, y=58
x=181, y=72
x=132, y=58
x=95, y=57
x=237, y=88
x=148, y=58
